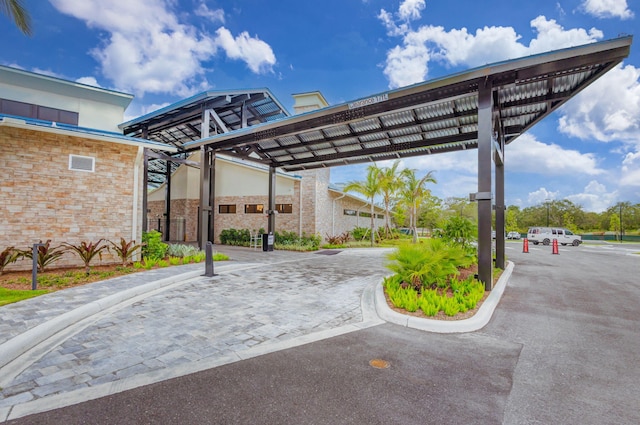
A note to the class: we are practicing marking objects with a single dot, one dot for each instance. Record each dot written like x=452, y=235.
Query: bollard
x=525, y=245
x=554, y=249
x=208, y=262
x=34, y=269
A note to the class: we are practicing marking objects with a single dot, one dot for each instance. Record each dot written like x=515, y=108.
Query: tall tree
x=390, y=183
x=369, y=188
x=413, y=193
x=15, y=10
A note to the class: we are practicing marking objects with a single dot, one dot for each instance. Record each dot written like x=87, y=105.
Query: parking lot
x=562, y=347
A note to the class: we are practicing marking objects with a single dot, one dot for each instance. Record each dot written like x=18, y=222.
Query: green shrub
x=427, y=264
x=219, y=256
x=181, y=250
x=152, y=245
x=450, y=307
x=237, y=237
x=430, y=307
x=459, y=230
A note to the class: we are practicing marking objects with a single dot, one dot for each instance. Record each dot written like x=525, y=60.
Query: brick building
x=67, y=173
x=306, y=202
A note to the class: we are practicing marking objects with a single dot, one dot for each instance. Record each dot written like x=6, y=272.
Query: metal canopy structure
x=484, y=108
x=199, y=117
x=433, y=117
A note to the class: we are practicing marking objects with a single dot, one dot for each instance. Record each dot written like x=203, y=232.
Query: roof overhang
x=432, y=117
x=85, y=133
x=49, y=84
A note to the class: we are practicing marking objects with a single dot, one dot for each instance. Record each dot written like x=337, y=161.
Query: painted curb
x=478, y=321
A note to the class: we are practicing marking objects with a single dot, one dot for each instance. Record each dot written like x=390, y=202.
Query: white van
x=545, y=235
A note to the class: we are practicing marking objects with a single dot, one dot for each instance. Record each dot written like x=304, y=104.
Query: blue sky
x=164, y=50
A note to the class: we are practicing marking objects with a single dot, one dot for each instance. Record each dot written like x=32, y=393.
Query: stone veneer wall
x=239, y=220
x=185, y=210
x=345, y=223
x=42, y=199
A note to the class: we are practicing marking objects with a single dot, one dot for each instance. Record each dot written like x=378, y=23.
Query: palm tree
x=413, y=193
x=16, y=11
x=390, y=183
x=369, y=189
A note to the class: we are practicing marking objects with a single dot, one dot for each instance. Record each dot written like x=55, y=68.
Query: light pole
x=620, y=222
x=548, y=205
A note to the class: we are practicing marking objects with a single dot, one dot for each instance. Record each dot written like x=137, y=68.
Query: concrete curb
x=478, y=321
x=20, y=344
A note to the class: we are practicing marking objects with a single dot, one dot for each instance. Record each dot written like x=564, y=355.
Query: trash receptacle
x=267, y=241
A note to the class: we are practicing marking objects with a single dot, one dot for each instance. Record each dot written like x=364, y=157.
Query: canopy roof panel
x=432, y=117
x=199, y=116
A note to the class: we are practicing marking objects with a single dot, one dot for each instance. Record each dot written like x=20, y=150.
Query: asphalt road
x=561, y=348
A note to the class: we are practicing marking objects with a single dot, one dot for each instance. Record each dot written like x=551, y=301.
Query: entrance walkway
x=151, y=326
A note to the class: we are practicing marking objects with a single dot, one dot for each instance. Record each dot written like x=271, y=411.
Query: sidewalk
x=142, y=328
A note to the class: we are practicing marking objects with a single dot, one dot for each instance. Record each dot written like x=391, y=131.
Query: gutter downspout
x=333, y=214
x=358, y=214
x=300, y=209
x=136, y=195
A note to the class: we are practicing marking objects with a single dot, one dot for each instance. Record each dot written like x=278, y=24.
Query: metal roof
x=432, y=117
x=182, y=122
x=74, y=130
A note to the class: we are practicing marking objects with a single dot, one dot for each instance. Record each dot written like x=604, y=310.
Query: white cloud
x=215, y=15
x=90, y=81
x=146, y=48
x=540, y=196
x=595, y=197
x=460, y=161
x=607, y=8
x=408, y=63
x=410, y=10
x=529, y=155
x=631, y=170
x=609, y=109
x=256, y=53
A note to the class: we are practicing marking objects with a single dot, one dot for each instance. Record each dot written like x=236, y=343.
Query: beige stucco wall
x=320, y=209
x=42, y=199
x=97, y=108
x=232, y=179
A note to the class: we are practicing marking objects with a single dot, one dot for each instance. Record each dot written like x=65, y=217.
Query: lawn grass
x=8, y=296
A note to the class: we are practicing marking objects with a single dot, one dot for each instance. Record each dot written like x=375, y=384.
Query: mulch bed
x=464, y=273
x=21, y=280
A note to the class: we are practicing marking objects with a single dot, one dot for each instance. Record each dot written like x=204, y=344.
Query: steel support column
x=167, y=203
x=145, y=184
x=145, y=190
x=485, y=187
x=500, y=207
x=271, y=210
x=205, y=223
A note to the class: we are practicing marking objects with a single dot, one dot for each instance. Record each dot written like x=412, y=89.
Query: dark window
x=253, y=209
x=29, y=110
x=284, y=208
x=380, y=216
x=21, y=109
x=350, y=212
x=365, y=214
x=227, y=209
